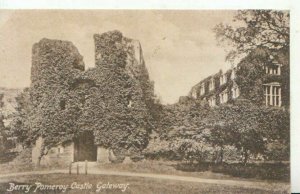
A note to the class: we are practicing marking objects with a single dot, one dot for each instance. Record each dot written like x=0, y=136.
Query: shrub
x=272, y=171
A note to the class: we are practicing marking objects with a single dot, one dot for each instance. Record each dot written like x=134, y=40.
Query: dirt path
x=247, y=184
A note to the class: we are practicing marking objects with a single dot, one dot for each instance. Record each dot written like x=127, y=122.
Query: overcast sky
x=179, y=46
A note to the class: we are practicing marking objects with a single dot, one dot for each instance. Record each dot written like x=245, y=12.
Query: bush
x=268, y=171
x=194, y=167
x=7, y=157
x=272, y=171
x=137, y=158
x=163, y=154
x=161, y=149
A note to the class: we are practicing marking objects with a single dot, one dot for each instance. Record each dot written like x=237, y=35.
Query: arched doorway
x=85, y=149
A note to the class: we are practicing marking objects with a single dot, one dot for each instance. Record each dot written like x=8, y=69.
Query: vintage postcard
x=145, y=101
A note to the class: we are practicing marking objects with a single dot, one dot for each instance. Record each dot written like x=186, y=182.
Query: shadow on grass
x=264, y=171
x=8, y=157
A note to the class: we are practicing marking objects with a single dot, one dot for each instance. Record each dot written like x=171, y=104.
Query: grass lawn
x=160, y=167
x=168, y=167
x=135, y=185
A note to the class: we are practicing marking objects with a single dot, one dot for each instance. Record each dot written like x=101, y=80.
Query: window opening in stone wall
x=223, y=79
x=202, y=89
x=60, y=150
x=233, y=74
x=272, y=93
x=83, y=99
x=223, y=97
x=62, y=104
x=212, y=101
x=235, y=92
x=194, y=93
x=129, y=102
x=212, y=84
x=273, y=70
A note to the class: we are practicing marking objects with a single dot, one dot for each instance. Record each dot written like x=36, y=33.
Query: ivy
x=63, y=100
x=251, y=75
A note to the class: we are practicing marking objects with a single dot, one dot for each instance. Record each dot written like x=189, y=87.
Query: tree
x=252, y=129
x=19, y=126
x=256, y=28
x=260, y=38
x=1, y=107
x=238, y=125
x=276, y=130
x=3, y=135
x=182, y=125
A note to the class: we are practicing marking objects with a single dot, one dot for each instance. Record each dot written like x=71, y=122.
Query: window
x=202, y=89
x=212, y=101
x=62, y=104
x=273, y=70
x=129, y=105
x=83, y=100
x=233, y=74
x=272, y=94
x=194, y=93
x=60, y=150
x=211, y=84
x=129, y=101
x=223, y=79
x=223, y=97
x=235, y=92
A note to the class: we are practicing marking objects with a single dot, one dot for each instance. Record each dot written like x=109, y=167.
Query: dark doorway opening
x=85, y=149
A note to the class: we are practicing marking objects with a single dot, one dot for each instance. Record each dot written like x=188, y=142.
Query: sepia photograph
x=145, y=101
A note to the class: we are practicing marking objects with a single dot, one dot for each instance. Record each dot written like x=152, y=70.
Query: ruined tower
x=103, y=108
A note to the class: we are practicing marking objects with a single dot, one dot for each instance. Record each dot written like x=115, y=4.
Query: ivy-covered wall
x=218, y=87
x=54, y=106
x=122, y=118
x=113, y=100
x=250, y=76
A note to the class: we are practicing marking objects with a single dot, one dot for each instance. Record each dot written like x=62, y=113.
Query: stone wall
x=62, y=154
x=112, y=100
x=55, y=66
x=116, y=107
x=102, y=155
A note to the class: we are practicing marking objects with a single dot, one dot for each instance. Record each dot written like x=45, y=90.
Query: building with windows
x=266, y=85
x=216, y=89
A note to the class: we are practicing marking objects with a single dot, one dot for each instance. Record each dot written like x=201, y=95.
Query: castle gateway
x=77, y=113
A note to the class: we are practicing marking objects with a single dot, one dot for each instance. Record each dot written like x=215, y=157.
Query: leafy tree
x=19, y=126
x=256, y=28
x=161, y=149
x=183, y=119
x=183, y=126
x=193, y=149
x=237, y=125
x=1, y=107
x=260, y=38
x=248, y=127
x=276, y=128
x=3, y=134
